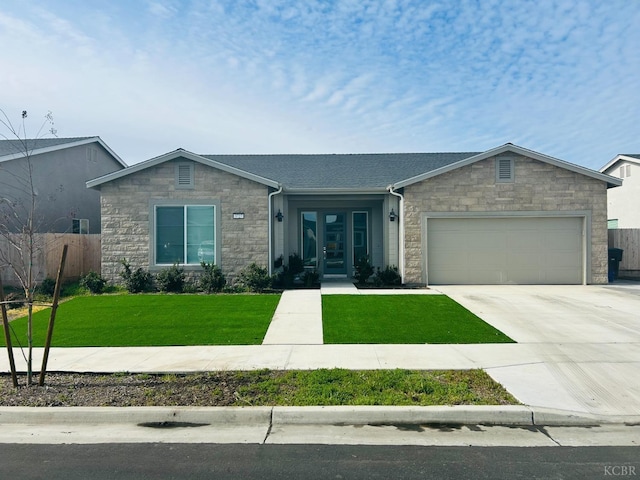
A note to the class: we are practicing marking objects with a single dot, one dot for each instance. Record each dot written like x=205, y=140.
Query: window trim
x=511, y=178
x=217, y=222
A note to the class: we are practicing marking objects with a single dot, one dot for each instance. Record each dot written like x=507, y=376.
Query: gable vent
x=184, y=175
x=504, y=170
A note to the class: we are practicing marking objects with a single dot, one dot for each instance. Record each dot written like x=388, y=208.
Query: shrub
x=136, y=281
x=47, y=287
x=14, y=300
x=310, y=278
x=289, y=272
x=255, y=278
x=93, y=282
x=296, y=264
x=388, y=276
x=171, y=279
x=212, y=279
x=363, y=270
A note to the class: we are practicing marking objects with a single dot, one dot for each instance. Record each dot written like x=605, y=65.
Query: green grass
x=372, y=387
x=154, y=320
x=403, y=319
x=263, y=388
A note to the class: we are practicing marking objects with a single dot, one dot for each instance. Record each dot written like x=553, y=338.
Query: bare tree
x=19, y=220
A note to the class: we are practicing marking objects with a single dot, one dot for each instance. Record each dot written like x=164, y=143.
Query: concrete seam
x=533, y=417
x=264, y=440
x=543, y=430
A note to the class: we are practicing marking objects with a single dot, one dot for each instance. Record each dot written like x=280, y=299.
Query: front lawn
x=403, y=319
x=154, y=320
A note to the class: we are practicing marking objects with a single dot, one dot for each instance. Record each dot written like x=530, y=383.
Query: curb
x=515, y=415
x=128, y=415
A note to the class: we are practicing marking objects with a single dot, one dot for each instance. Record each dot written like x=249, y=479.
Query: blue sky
x=310, y=76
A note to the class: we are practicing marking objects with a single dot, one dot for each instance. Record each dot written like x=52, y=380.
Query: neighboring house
x=61, y=168
x=507, y=215
x=624, y=202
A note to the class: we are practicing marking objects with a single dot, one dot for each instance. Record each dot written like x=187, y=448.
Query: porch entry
x=333, y=241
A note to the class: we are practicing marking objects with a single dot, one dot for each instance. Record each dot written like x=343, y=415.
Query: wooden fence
x=628, y=239
x=83, y=256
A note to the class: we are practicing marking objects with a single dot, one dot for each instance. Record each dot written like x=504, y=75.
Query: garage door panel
x=518, y=250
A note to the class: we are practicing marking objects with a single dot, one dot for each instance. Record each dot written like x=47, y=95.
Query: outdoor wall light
x=392, y=216
x=279, y=215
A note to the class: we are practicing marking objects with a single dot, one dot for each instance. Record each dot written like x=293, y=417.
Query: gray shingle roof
x=632, y=155
x=340, y=171
x=12, y=147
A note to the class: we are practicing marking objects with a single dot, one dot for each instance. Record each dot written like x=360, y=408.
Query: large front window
x=185, y=234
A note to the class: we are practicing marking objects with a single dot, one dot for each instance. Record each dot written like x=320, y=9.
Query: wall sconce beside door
x=392, y=216
x=279, y=215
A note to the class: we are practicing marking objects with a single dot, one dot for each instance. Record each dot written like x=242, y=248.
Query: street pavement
x=576, y=363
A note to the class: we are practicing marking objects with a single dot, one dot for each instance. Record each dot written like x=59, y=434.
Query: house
x=624, y=202
x=506, y=215
x=61, y=168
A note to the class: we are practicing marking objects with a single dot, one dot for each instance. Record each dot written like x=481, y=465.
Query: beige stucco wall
x=538, y=187
x=126, y=211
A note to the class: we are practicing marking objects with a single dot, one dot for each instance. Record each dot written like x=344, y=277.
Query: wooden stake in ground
x=7, y=335
x=52, y=319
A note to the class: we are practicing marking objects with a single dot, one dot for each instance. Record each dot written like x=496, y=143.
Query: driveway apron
x=585, y=342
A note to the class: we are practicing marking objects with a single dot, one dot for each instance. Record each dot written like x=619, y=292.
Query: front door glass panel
x=309, y=242
x=334, y=243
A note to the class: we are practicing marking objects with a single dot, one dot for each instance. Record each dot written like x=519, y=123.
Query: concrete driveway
x=580, y=345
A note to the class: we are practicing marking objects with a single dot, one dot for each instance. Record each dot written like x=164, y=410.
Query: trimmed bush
x=47, y=287
x=310, y=278
x=389, y=276
x=93, y=282
x=14, y=300
x=171, y=279
x=212, y=279
x=364, y=270
x=136, y=281
x=255, y=278
x=295, y=267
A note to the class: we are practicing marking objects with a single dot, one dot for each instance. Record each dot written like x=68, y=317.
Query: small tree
x=19, y=220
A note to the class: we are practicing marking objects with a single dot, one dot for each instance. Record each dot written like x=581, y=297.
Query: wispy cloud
x=558, y=76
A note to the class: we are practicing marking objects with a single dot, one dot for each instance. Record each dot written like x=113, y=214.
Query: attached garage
x=505, y=250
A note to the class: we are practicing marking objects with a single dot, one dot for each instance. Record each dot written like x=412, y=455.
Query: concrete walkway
x=297, y=320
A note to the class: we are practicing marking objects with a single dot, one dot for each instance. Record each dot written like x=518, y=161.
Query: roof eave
x=334, y=191
x=179, y=153
x=619, y=158
x=63, y=146
x=511, y=148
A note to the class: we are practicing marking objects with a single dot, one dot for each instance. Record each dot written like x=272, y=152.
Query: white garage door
x=522, y=250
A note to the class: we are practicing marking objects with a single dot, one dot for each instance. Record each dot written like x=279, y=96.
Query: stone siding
x=126, y=210
x=538, y=186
